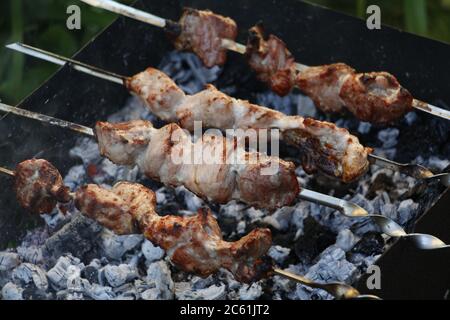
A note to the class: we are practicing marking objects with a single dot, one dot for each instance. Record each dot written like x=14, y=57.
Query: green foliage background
x=43, y=23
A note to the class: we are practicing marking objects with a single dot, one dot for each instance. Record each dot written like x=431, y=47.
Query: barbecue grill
x=406, y=272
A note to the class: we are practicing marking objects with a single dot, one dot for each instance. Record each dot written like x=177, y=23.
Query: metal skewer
x=347, y=208
x=340, y=291
x=416, y=171
x=228, y=44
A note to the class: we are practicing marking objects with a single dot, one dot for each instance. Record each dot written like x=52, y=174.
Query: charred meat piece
x=39, y=186
x=194, y=244
x=271, y=60
x=202, y=32
x=224, y=171
x=376, y=97
x=324, y=147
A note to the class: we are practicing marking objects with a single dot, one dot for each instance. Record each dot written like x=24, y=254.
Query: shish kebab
x=375, y=97
x=125, y=142
x=194, y=244
x=324, y=147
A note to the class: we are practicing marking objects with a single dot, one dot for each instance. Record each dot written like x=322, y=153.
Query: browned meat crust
x=376, y=97
x=194, y=244
x=322, y=84
x=271, y=60
x=226, y=171
x=39, y=186
x=324, y=146
x=201, y=33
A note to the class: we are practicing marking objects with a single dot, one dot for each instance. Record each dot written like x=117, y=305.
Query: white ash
x=11, y=291
x=364, y=127
x=30, y=274
x=59, y=275
x=160, y=279
x=104, y=266
x=279, y=253
x=185, y=291
x=119, y=275
x=114, y=246
x=250, y=292
x=8, y=261
x=151, y=252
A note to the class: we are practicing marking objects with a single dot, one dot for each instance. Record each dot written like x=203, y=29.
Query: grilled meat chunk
x=215, y=168
x=202, y=32
x=375, y=97
x=323, y=85
x=271, y=60
x=39, y=186
x=324, y=147
x=194, y=244
x=107, y=208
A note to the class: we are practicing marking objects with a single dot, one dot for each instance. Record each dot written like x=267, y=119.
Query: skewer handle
x=127, y=11
x=340, y=291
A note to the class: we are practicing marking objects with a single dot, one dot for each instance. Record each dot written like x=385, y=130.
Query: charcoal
x=11, y=291
x=60, y=273
x=250, y=292
x=346, y=240
x=32, y=254
x=152, y=253
x=8, y=261
x=279, y=254
x=331, y=266
x=407, y=210
x=98, y=292
x=90, y=273
x=77, y=238
x=313, y=241
x=28, y=273
x=114, y=247
x=118, y=275
x=371, y=244
x=31, y=292
x=184, y=291
x=160, y=278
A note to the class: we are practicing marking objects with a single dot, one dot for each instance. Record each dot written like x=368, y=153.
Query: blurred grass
x=43, y=23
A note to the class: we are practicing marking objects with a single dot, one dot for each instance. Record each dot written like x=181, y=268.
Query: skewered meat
x=39, y=186
x=224, y=171
x=323, y=146
x=373, y=97
x=107, y=208
x=271, y=60
x=376, y=97
x=201, y=33
x=194, y=244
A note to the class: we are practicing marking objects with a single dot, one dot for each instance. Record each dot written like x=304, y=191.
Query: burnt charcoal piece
x=90, y=273
x=32, y=293
x=313, y=241
x=371, y=244
x=78, y=238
